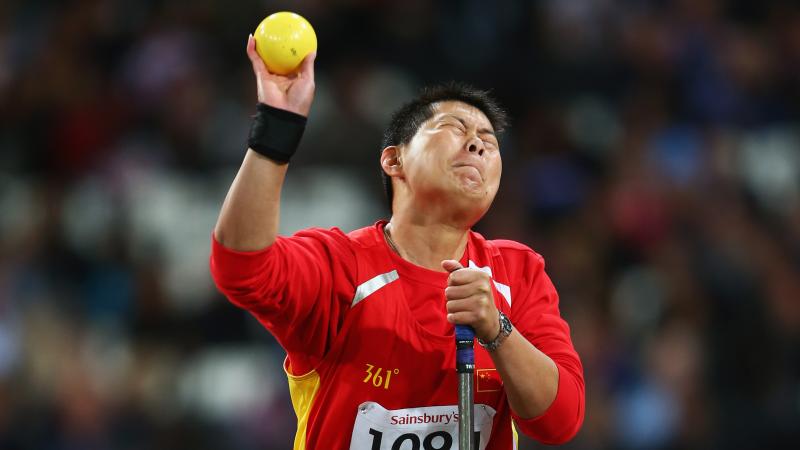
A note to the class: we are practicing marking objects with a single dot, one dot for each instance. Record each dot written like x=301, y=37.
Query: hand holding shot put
x=282, y=53
x=293, y=92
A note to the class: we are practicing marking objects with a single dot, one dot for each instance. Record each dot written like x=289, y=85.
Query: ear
x=392, y=161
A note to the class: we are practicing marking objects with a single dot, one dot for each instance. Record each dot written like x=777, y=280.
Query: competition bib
x=426, y=428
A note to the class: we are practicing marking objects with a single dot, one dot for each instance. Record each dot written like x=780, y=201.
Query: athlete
x=367, y=317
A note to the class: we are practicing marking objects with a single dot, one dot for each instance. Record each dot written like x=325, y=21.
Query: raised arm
x=250, y=214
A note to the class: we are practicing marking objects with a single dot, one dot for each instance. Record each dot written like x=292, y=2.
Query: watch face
x=505, y=323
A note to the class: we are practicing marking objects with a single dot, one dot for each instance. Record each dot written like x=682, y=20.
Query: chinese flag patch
x=487, y=380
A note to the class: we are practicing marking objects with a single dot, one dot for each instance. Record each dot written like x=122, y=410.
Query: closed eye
x=457, y=126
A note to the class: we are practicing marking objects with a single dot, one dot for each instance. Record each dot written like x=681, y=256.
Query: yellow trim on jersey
x=302, y=389
x=516, y=436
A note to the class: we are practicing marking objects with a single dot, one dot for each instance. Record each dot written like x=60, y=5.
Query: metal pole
x=465, y=366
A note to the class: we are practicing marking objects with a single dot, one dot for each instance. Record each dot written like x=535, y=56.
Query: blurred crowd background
x=653, y=160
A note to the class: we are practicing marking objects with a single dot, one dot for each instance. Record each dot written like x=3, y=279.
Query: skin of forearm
x=250, y=215
x=530, y=377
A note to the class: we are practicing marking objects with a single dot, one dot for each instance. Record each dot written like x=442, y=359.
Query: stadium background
x=654, y=160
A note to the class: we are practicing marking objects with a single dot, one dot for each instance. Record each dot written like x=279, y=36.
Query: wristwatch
x=505, y=330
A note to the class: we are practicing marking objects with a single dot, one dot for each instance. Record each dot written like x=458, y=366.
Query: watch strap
x=505, y=330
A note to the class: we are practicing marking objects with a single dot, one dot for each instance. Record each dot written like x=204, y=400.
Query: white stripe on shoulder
x=503, y=289
x=369, y=287
x=471, y=264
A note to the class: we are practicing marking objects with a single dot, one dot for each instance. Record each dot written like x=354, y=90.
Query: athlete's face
x=453, y=159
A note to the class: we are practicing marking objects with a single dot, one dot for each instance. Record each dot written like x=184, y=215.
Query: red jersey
x=370, y=354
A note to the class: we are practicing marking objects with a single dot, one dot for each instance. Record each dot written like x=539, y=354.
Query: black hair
x=406, y=121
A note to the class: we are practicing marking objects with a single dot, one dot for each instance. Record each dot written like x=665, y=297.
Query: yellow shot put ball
x=283, y=39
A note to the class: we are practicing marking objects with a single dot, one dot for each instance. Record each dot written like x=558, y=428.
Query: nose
x=475, y=145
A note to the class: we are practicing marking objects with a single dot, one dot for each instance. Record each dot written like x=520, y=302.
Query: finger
x=451, y=265
x=457, y=292
x=465, y=276
x=307, y=66
x=251, y=47
x=255, y=58
x=472, y=303
x=462, y=318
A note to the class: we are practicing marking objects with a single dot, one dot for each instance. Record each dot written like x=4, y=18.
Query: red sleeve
x=535, y=314
x=299, y=288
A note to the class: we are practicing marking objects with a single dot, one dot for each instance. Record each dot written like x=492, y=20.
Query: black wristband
x=275, y=133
